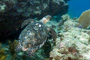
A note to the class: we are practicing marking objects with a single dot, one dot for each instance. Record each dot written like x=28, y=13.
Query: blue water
x=76, y=7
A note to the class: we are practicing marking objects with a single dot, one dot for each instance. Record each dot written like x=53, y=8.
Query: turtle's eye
x=48, y=17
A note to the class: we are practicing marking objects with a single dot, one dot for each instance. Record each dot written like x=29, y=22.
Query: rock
x=34, y=8
x=72, y=44
x=14, y=12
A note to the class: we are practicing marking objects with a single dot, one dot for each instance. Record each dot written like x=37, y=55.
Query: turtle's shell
x=33, y=36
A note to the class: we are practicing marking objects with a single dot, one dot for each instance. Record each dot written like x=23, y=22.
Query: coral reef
x=63, y=19
x=34, y=7
x=84, y=19
x=72, y=43
x=22, y=9
x=7, y=52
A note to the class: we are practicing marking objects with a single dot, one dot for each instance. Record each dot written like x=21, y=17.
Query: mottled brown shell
x=33, y=37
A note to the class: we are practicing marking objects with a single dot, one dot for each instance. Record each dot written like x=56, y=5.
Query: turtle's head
x=45, y=19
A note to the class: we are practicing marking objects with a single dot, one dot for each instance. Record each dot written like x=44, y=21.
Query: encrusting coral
x=72, y=43
x=84, y=19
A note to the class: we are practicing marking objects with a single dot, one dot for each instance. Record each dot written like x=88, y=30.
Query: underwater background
x=76, y=7
x=44, y=30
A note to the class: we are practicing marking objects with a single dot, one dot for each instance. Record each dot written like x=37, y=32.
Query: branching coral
x=10, y=54
x=12, y=46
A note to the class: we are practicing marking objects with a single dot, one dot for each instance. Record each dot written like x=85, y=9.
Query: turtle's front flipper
x=53, y=34
x=26, y=22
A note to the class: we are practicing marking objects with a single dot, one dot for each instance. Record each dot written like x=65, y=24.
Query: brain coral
x=84, y=19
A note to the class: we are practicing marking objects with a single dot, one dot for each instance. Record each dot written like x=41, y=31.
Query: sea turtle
x=34, y=35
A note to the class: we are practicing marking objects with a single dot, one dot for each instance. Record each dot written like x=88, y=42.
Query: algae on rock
x=72, y=44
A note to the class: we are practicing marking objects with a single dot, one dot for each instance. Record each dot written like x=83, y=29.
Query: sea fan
x=84, y=19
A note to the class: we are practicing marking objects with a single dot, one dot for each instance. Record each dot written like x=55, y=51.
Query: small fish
x=80, y=27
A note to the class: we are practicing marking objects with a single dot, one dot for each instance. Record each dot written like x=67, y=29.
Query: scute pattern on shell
x=33, y=37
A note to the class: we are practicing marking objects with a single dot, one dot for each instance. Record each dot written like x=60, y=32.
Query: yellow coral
x=84, y=19
x=2, y=53
x=12, y=46
x=0, y=44
x=3, y=58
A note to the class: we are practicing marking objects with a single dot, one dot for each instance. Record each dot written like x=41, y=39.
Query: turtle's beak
x=48, y=17
x=46, y=21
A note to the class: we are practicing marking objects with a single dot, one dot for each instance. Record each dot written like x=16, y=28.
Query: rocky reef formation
x=14, y=12
x=73, y=42
x=34, y=8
